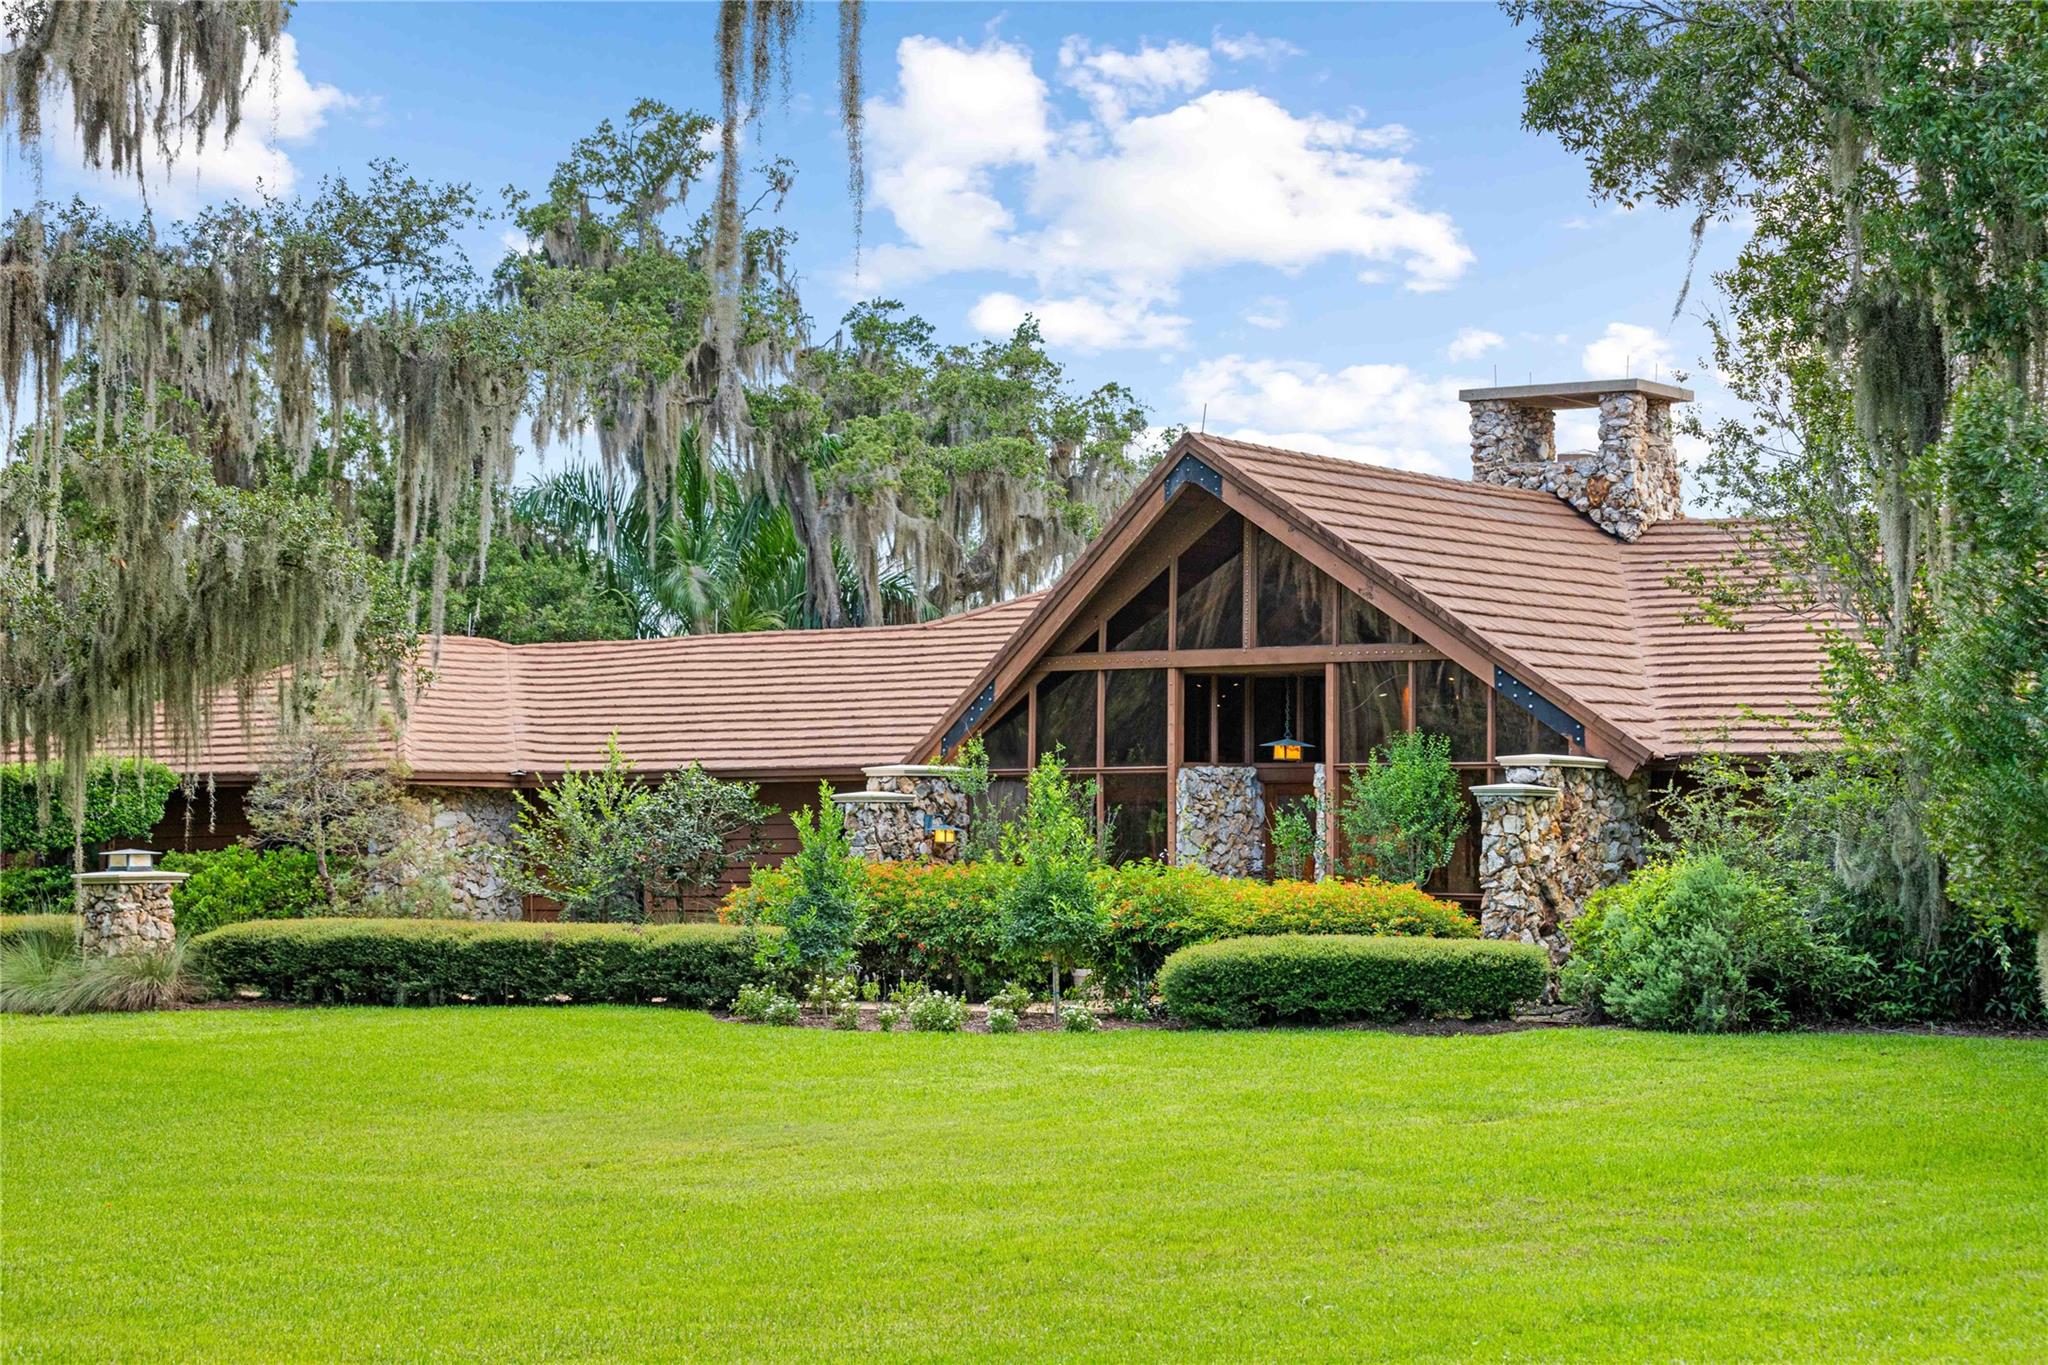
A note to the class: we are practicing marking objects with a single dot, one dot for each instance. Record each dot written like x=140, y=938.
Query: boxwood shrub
x=942, y=923
x=372, y=961
x=1334, y=978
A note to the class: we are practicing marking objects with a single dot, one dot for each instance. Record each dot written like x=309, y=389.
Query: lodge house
x=1250, y=624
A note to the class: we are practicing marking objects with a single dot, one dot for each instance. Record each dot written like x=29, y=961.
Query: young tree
x=824, y=918
x=1402, y=815
x=571, y=841
x=1049, y=906
x=322, y=790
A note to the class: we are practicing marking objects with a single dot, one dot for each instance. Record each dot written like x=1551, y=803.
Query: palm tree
x=718, y=557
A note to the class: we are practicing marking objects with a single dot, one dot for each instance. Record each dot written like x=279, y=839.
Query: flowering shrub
x=943, y=922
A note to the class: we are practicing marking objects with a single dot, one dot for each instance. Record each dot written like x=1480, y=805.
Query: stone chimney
x=1626, y=486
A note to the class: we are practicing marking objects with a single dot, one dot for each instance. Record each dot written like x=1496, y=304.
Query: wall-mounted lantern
x=942, y=836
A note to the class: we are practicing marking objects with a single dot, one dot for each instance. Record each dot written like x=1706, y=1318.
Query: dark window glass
x=1196, y=691
x=1290, y=596
x=1460, y=876
x=1515, y=731
x=1450, y=701
x=1134, y=718
x=1000, y=805
x=1141, y=622
x=1272, y=700
x=1361, y=623
x=1211, y=606
x=1066, y=718
x=1230, y=704
x=1007, y=741
x=1087, y=646
x=1135, y=805
x=1369, y=707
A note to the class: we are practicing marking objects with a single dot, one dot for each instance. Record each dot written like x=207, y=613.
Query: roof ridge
x=1420, y=476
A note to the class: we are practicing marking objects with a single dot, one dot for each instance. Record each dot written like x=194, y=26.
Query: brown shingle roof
x=789, y=703
x=1560, y=601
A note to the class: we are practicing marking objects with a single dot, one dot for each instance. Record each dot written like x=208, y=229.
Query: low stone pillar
x=126, y=908
x=1557, y=830
x=1220, y=819
x=900, y=815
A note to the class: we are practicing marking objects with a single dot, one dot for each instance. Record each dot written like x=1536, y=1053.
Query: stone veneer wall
x=1221, y=819
x=1325, y=866
x=125, y=912
x=894, y=831
x=468, y=825
x=1541, y=855
x=1626, y=486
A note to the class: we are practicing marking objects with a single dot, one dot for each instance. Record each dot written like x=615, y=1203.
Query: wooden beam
x=1174, y=703
x=1271, y=658
x=1333, y=775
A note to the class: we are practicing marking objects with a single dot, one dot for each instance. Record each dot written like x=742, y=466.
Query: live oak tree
x=1887, y=322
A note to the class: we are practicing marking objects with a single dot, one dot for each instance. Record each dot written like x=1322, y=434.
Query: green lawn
x=597, y=1182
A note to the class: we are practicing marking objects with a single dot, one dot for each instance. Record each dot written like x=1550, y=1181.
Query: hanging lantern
x=1287, y=749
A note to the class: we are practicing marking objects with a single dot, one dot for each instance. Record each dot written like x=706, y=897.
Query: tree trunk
x=1055, y=992
x=821, y=576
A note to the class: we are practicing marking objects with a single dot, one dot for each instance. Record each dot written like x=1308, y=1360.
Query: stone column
x=887, y=822
x=126, y=912
x=1221, y=814
x=1326, y=862
x=1557, y=830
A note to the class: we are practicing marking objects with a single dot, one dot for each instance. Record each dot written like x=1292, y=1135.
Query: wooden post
x=1333, y=776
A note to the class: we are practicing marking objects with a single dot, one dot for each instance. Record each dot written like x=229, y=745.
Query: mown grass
x=630, y=1183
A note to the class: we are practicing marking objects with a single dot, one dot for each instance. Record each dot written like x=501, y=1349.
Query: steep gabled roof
x=1514, y=578
x=785, y=703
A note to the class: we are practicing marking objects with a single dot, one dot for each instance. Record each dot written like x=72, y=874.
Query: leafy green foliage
x=598, y=839
x=936, y=1012
x=35, y=890
x=124, y=802
x=1701, y=947
x=1050, y=912
x=1889, y=158
x=396, y=962
x=822, y=920
x=1294, y=839
x=242, y=883
x=1336, y=978
x=1402, y=814
x=944, y=922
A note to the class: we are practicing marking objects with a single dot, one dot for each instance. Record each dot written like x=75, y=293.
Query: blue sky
x=1315, y=221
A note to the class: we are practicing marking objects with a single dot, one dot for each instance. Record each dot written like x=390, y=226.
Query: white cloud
x=1471, y=343
x=1115, y=82
x=1269, y=311
x=1380, y=414
x=1115, y=322
x=1626, y=350
x=1250, y=47
x=280, y=106
x=979, y=172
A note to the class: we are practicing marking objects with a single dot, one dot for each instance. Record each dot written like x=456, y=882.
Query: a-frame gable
x=1198, y=469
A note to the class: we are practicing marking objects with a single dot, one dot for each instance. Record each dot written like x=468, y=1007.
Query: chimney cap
x=1576, y=393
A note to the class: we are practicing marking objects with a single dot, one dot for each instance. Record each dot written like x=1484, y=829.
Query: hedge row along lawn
x=604, y=1182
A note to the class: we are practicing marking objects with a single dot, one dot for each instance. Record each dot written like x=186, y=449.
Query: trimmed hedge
x=942, y=923
x=413, y=962
x=230, y=885
x=1334, y=978
x=58, y=929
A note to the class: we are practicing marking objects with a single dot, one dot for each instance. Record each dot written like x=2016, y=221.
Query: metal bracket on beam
x=976, y=709
x=1192, y=471
x=1545, y=710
